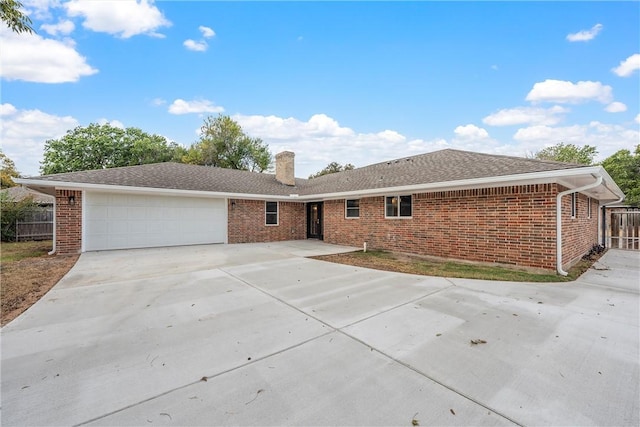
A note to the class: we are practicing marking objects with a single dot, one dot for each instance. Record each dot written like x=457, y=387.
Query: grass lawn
x=27, y=273
x=389, y=261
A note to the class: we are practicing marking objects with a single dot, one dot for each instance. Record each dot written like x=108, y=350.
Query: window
x=271, y=213
x=574, y=205
x=397, y=206
x=352, y=208
x=588, y=207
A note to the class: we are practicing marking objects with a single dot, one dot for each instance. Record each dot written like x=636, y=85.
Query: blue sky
x=353, y=82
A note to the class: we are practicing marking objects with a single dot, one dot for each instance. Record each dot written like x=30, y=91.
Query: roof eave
x=611, y=191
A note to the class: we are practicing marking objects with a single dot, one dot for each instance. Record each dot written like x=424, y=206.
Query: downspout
x=55, y=222
x=559, y=220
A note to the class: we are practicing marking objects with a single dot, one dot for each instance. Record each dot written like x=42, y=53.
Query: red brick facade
x=247, y=222
x=68, y=222
x=579, y=233
x=508, y=225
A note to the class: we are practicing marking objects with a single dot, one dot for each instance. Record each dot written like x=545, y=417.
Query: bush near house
x=12, y=210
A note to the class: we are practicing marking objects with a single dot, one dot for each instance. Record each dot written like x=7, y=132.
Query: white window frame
x=267, y=212
x=398, y=197
x=589, y=207
x=347, y=208
x=574, y=205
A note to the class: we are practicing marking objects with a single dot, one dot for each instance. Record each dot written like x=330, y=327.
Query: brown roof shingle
x=435, y=167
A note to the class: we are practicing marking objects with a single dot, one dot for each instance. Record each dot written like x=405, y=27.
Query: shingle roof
x=439, y=166
x=21, y=193
x=180, y=176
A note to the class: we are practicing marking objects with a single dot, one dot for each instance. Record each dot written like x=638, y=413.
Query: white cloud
x=24, y=133
x=7, y=109
x=585, y=35
x=32, y=58
x=637, y=119
x=606, y=137
x=321, y=140
x=158, y=102
x=616, y=107
x=628, y=66
x=526, y=115
x=40, y=9
x=114, y=123
x=471, y=132
x=62, y=27
x=200, y=46
x=206, y=32
x=121, y=18
x=572, y=93
x=180, y=106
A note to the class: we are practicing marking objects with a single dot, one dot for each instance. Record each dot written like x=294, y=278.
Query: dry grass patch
x=27, y=273
x=402, y=263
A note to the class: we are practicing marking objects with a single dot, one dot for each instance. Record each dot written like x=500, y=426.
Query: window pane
x=272, y=219
x=405, y=205
x=392, y=206
x=271, y=213
x=353, y=208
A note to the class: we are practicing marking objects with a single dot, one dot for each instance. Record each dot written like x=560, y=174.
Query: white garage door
x=121, y=221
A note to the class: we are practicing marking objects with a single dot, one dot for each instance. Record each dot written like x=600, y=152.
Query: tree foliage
x=12, y=210
x=15, y=19
x=624, y=168
x=7, y=171
x=569, y=153
x=224, y=144
x=332, y=167
x=105, y=146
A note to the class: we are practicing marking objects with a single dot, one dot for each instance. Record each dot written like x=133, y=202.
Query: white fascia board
x=144, y=190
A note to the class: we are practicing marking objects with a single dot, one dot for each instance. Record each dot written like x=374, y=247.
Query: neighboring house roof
x=20, y=193
x=436, y=170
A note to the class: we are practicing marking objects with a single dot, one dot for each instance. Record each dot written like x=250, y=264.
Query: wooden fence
x=35, y=225
x=625, y=230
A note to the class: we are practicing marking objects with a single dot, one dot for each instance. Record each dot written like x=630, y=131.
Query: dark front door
x=314, y=220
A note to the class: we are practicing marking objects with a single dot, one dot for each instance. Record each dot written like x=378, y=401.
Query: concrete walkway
x=255, y=334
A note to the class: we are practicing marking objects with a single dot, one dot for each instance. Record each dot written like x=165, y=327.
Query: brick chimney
x=284, y=168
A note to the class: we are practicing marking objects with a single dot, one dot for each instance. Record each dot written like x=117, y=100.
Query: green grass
x=413, y=265
x=16, y=251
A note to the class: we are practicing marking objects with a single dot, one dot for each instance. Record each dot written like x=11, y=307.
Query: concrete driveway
x=256, y=334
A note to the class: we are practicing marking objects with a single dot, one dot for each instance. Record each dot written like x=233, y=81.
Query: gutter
x=559, y=219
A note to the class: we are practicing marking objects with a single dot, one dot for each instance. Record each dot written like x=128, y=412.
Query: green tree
x=224, y=144
x=332, y=167
x=105, y=146
x=12, y=210
x=568, y=153
x=15, y=19
x=7, y=171
x=624, y=168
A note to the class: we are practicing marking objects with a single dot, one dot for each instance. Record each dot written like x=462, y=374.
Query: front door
x=314, y=220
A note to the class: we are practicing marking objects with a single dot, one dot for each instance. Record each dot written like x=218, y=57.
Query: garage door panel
x=119, y=221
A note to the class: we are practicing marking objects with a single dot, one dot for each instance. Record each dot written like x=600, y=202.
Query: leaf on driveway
x=476, y=342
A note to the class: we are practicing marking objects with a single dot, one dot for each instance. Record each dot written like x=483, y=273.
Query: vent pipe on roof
x=559, y=219
x=285, y=168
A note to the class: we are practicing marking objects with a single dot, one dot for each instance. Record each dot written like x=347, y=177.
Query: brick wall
x=68, y=222
x=510, y=225
x=247, y=222
x=579, y=234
